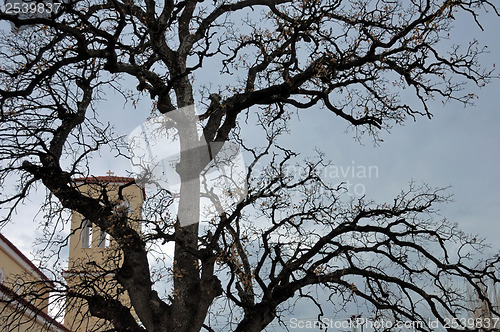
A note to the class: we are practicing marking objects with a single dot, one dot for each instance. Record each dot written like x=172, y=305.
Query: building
x=24, y=293
x=25, y=290
x=92, y=255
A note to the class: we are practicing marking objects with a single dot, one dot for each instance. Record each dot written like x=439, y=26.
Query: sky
x=458, y=147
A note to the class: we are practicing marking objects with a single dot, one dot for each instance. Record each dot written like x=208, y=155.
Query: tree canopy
x=372, y=64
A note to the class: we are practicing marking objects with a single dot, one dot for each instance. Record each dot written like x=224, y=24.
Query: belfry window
x=86, y=238
x=103, y=239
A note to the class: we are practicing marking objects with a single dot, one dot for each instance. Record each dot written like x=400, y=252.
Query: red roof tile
x=105, y=179
x=109, y=179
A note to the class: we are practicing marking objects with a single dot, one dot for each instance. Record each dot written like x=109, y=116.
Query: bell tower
x=93, y=254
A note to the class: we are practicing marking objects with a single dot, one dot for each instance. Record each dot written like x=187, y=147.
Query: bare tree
x=291, y=232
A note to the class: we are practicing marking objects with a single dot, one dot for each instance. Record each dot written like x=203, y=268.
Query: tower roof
x=120, y=180
x=105, y=179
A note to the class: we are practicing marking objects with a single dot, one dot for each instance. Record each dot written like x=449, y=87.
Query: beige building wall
x=18, y=274
x=93, y=255
x=20, y=317
x=24, y=293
